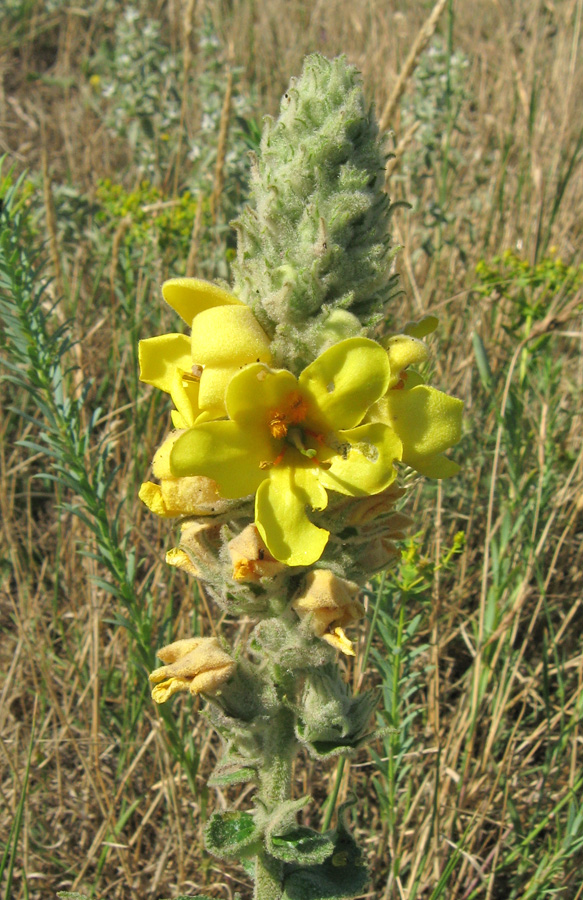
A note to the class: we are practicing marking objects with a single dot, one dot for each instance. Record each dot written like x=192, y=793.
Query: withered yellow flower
x=251, y=559
x=198, y=665
x=196, y=552
x=329, y=604
x=194, y=495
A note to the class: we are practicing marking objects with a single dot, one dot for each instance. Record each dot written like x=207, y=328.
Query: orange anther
x=277, y=427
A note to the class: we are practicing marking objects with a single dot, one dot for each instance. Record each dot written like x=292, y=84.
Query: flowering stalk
x=292, y=420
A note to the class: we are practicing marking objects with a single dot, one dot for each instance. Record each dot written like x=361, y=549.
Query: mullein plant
x=296, y=413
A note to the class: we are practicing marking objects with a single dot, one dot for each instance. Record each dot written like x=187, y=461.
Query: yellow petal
x=427, y=421
x=163, y=691
x=339, y=641
x=250, y=557
x=280, y=515
x=177, y=650
x=179, y=559
x=190, y=296
x=174, y=497
x=208, y=681
x=160, y=357
x=161, y=462
x=228, y=336
x=365, y=463
x=223, y=340
x=257, y=391
x=178, y=420
x=151, y=495
x=193, y=664
x=404, y=350
x=438, y=466
x=226, y=453
x=346, y=379
x=184, y=391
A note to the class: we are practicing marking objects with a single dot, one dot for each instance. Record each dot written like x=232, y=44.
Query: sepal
x=330, y=721
x=234, y=769
x=288, y=646
x=232, y=834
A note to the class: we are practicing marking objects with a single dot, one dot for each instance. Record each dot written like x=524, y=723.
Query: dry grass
x=494, y=668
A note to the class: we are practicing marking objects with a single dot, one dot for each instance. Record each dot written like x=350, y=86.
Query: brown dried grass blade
x=425, y=34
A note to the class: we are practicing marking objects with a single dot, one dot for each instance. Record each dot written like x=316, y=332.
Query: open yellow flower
x=289, y=440
x=427, y=421
x=195, y=370
x=198, y=665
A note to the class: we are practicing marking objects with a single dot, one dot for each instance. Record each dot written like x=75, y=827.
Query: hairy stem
x=279, y=747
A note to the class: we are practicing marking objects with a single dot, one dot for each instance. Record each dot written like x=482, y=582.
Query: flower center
x=283, y=425
x=293, y=411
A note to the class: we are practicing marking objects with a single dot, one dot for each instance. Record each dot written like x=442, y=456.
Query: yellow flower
x=173, y=497
x=328, y=604
x=195, y=371
x=426, y=420
x=198, y=665
x=289, y=440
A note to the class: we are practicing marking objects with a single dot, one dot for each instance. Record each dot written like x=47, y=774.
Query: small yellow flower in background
x=329, y=604
x=288, y=440
x=198, y=665
x=251, y=559
x=195, y=370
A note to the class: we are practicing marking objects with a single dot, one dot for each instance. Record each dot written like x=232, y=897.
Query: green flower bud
x=313, y=240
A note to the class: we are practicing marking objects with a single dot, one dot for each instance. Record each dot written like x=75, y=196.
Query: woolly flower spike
x=198, y=665
x=195, y=371
x=313, y=249
x=289, y=440
x=328, y=604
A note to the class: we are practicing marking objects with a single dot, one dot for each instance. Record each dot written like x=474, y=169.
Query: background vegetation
x=129, y=126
